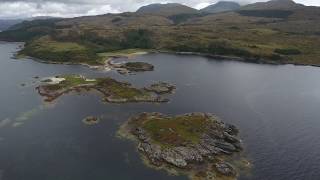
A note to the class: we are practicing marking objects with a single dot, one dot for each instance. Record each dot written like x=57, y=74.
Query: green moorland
x=258, y=35
x=48, y=49
x=173, y=131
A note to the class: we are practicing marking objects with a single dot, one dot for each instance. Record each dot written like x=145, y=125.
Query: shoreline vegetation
x=109, y=66
x=108, y=60
x=198, y=145
x=112, y=91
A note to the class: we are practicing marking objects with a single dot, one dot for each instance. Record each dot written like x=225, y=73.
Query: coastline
x=106, y=65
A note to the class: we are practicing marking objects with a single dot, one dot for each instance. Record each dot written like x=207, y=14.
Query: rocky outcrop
x=225, y=169
x=161, y=88
x=130, y=67
x=91, y=120
x=138, y=66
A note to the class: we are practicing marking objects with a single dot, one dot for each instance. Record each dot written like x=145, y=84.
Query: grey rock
x=161, y=88
x=174, y=158
x=225, y=169
x=189, y=154
x=226, y=146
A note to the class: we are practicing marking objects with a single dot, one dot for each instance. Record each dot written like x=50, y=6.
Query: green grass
x=176, y=130
x=47, y=44
x=266, y=13
x=47, y=49
x=109, y=86
x=69, y=82
x=288, y=51
x=74, y=80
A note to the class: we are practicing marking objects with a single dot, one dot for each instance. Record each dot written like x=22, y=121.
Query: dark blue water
x=277, y=109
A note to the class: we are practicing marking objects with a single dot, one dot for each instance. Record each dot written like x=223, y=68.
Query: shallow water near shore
x=276, y=109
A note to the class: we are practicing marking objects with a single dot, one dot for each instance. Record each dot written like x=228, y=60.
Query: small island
x=199, y=145
x=129, y=67
x=138, y=66
x=161, y=88
x=113, y=91
x=91, y=120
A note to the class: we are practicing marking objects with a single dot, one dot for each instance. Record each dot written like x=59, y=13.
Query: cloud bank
x=73, y=8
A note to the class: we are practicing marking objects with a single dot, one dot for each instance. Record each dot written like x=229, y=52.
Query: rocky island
x=199, y=145
x=129, y=67
x=161, y=88
x=113, y=91
x=91, y=120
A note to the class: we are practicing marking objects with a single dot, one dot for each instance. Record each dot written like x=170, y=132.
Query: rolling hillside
x=288, y=35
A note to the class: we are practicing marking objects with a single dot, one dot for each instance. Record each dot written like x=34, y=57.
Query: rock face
x=195, y=142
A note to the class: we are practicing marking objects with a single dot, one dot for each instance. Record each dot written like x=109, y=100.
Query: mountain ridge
x=221, y=6
x=274, y=4
x=168, y=9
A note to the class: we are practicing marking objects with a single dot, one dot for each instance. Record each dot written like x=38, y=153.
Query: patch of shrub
x=179, y=18
x=288, y=51
x=266, y=13
x=137, y=38
x=117, y=19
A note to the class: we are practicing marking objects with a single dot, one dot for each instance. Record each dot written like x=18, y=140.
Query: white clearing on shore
x=55, y=80
x=91, y=80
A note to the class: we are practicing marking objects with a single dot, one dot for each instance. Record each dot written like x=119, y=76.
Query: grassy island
x=113, y=91
x=196, y=144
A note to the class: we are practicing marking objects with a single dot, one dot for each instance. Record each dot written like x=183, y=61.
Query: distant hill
x=5, y=23
x=271, y=9
x=221, y=6
x=169, y=9
x=273, y=4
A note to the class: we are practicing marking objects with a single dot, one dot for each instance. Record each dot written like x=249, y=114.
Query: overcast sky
x=72, y=8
